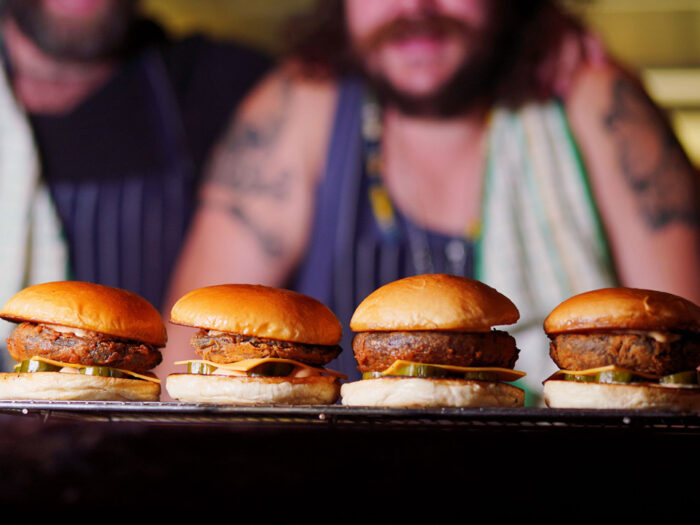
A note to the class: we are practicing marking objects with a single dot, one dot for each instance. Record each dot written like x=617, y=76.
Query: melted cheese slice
x=151, y=378
x=594, y=371
x=504, y=374
x=242, y=367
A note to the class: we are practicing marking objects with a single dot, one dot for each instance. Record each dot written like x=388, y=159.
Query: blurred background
x=659, y=39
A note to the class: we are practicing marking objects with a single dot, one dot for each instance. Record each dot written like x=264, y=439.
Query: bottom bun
x=232, y=390
x=574, y=394
x=60, y=386
x=419, y=392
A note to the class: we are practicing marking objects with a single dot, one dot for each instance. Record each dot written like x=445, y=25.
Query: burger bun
x=59, y=386
x=195, y=388
x=398, y=392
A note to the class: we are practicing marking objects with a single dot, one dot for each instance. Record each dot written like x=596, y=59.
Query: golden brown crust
x=623, y=308
x=434, y=302
x=59, y=386
x=88, y=306
x=261, y=311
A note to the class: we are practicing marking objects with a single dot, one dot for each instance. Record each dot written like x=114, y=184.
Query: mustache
x=434, y=25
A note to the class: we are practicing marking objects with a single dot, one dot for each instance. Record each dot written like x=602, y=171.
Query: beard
x=473, y=83
x=102, y=38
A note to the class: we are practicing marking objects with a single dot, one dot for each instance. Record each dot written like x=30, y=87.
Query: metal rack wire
x=520, y=419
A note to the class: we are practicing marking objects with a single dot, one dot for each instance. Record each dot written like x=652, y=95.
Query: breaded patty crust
x=221, y=347
x=639, y=351
x=91, y=349
x=377, y=351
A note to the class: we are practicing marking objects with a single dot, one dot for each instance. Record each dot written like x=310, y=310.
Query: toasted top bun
x=88, y=306
x=623, y=308
x=262, y=311
x=434, y=302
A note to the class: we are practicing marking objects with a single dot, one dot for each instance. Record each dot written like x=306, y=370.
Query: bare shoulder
x=593, y=89
x=647, y=191
x=623, y=133
x=291, y=109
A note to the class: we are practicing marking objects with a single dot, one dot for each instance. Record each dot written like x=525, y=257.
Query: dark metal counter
x=359, y=462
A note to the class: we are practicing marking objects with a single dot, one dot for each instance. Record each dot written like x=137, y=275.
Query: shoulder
x=598, y=91
x=305, y=106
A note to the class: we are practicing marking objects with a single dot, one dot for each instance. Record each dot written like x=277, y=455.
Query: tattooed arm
x=647, y=191
x=256, y=204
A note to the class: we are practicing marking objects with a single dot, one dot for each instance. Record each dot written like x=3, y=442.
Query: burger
x=257, y=344
x=624, y=348
x=82, y=341
x=427, y=341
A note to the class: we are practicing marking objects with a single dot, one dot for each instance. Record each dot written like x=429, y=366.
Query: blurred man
x=476, y=137
x=122, y=119
x=105, y=127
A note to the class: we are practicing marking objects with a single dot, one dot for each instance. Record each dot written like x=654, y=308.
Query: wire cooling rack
x=522, y=419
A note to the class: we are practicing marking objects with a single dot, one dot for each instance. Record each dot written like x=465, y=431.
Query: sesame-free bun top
x=434, y=302
x=88, y=306
x=262, y=311
x=623, y=308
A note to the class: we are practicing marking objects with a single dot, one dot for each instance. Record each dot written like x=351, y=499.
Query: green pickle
x=430, y=371
x=614, y=376
x=197, y=367
x=689, y=377
x=32, y=365
x=607, y=376
x=103, y=371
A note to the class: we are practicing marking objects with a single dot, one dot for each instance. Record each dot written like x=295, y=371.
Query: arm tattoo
x=246, y=149
x=269, y=242
x=242, y=165
x=651, y=159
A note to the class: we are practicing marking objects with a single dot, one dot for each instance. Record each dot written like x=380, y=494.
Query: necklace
x=456, y=251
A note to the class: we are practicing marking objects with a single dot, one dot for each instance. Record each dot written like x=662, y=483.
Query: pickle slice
x=580, y=378
x=197, y=367
x=429, y=371
x=614, y=376
x=607, y=376
x=32, y=365
x=274, y=369
x=689, y=377
x=103, y=371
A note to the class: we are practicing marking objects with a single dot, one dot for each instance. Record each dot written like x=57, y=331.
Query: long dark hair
x=532, y=33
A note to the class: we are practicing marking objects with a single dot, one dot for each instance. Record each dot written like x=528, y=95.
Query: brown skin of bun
x=623, y=308
x=88, y=306
x=261, y=311
x=434, y=302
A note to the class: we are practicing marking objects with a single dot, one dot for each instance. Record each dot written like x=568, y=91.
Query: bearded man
x=105, y=127
x=486, y=138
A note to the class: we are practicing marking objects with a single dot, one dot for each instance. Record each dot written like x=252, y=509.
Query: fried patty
x=222, y=347
x=635, y=351
x=94, y=349
x=377, y=351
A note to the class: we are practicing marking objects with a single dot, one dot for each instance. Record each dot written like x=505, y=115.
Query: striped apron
x=541, y=240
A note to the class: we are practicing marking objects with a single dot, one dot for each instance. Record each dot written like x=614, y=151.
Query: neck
x=44, y=84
